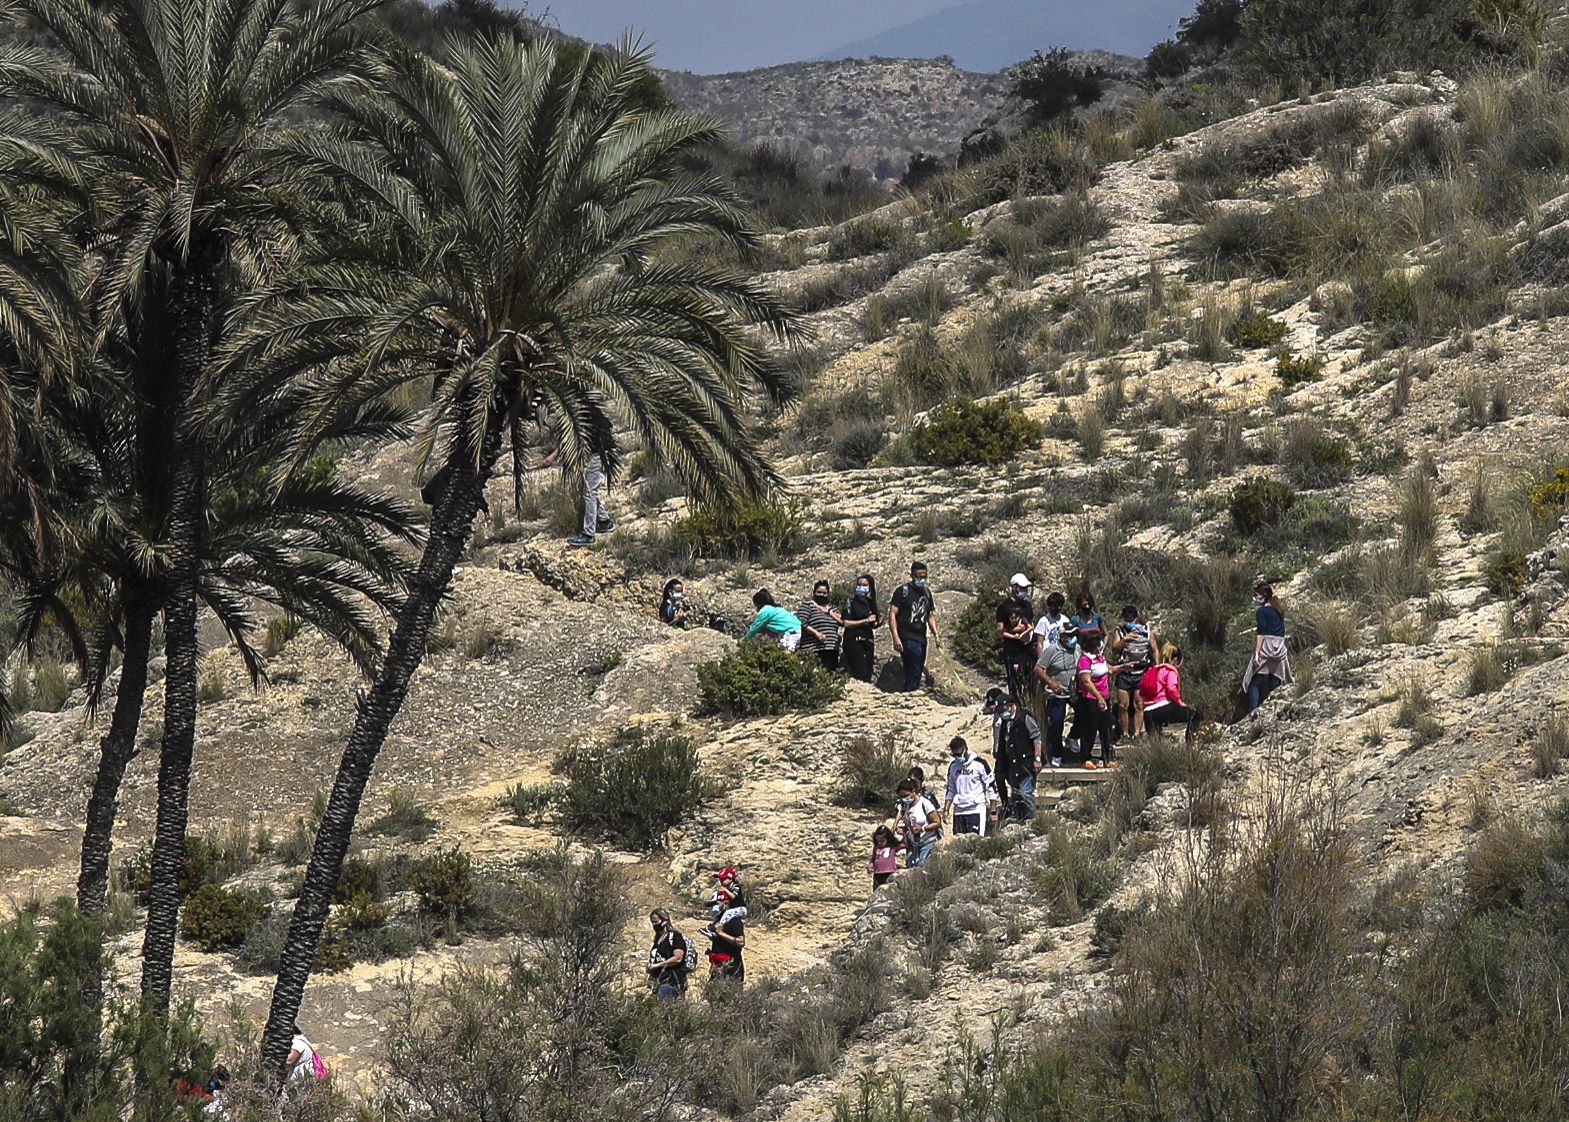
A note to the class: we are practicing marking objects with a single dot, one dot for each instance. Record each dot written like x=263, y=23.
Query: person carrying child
x=885, y=856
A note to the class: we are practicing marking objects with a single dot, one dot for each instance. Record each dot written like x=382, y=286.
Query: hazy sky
x=711, y=36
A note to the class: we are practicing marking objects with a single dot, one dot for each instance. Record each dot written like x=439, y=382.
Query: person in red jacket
x=1161, y=690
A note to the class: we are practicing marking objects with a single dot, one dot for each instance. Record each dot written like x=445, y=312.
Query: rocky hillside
x=873, y=114
x=1306, y=299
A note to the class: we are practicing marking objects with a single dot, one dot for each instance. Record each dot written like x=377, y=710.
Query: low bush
x=1550, y=746
x=1548, y=496
x=863, y=237
x=531, y=802
x=1255, y=330
x=742, y=530
x=216, y=918
x=1295, y=370
x=1314, y=458
x=856, y=441
x=761, y=679
x=280, y=630
x=962, y=431
x=973, y=637
x=444, y=885
x=873, y=768
x=633, y=787
x=1260, y=504
x=1070, y=878
x=204, y=864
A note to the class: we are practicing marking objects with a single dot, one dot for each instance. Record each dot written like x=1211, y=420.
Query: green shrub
x=1260, y=503
x=215, y=917
x=761, y=679
x=51, y=686
x=363, y=912
x=444, y=885
x=1294, y=370
x=204, y=864
x=1504, y=570
x=1070, y=878
x=1255, y=330
x=857, y=439
x=973, y=637
x=531, y=802
x=1549, y=496
x=742, y=530
x=964, y=432
x=634, y=787
x=866, y=236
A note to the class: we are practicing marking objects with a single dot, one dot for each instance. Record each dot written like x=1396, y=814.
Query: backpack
x=689, y=963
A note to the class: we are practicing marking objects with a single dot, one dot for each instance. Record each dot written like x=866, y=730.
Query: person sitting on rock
x=1161, y=689
x=672, y=603
x=774, y=622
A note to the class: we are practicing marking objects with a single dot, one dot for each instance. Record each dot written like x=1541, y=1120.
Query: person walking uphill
x=1270, y=666
x=859, y=620
x=912, y=618
x=668, y=957
x=774, y=622
x=972, y=791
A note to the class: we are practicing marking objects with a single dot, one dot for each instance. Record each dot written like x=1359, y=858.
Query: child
x=729, y=899
x=885, y=856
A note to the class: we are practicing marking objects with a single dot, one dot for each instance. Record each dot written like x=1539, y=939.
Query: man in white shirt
x=1050, y=624
x=971, y=789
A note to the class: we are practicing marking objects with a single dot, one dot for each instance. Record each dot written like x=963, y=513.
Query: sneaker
x=1056, y=762
x=604, y=526
x=1073, y=746
x=1091, y=765
x=580, y=541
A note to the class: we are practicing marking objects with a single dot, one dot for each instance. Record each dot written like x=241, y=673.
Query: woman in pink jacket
x=1161, y=690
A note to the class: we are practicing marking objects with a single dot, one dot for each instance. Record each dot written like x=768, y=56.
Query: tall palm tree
x=524, y=197
x=180, y=111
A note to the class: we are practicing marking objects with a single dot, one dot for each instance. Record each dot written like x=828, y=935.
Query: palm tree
x=179, y=111
x=524, y=198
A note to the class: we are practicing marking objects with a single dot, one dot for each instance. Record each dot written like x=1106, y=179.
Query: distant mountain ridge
x=988, y=35
x=869, y=113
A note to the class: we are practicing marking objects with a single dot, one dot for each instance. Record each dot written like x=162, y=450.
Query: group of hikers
x=1114, y=678
x=206, y=1095
x=673, y=957
x=841, y=636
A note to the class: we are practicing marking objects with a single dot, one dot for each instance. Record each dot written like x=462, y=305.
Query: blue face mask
x=863, y=592
x=920, y=582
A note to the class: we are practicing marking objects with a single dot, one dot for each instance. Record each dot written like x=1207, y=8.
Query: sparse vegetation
x=633, y=787
x=965, y=432
x=762, y=679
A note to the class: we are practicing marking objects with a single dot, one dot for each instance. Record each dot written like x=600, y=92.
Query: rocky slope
x=545, y=646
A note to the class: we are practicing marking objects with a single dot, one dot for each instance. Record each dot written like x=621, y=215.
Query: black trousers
x=1158, y=718
x=1090, y=720
x=860, y=658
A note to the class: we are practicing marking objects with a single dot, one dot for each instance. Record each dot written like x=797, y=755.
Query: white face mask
x=677, y=597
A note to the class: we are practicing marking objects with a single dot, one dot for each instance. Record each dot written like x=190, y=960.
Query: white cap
x=1020, y=581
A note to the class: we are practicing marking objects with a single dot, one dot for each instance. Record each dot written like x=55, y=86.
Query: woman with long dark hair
x=672, y=603
x=860, y=620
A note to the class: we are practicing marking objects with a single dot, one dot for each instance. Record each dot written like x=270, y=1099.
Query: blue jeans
x=1056, y=717
x=922, y=849
x=668, y=989
x=1257, y=694
x=914, y=656
x=1022, y=804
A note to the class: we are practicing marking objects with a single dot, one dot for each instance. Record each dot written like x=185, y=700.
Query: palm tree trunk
x=191, y=302
x=114, y=754
x=115, y=751
x=451, y=524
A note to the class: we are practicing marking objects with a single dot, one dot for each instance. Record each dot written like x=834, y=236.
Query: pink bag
x=318, y=1065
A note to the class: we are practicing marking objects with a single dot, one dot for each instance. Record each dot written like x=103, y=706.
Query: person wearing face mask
x=1017, y=740
x=1016, y=629
x=859, y=621
x=972, y=789
x=1057, y=670
x=912, y=618
x=1050, y=624
x=1085, y=619
x=667, y=958
x=1270, y=666
x=820, y=626
x=672, y=603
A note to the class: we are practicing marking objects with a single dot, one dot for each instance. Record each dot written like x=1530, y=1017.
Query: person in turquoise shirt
x=773, y=621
